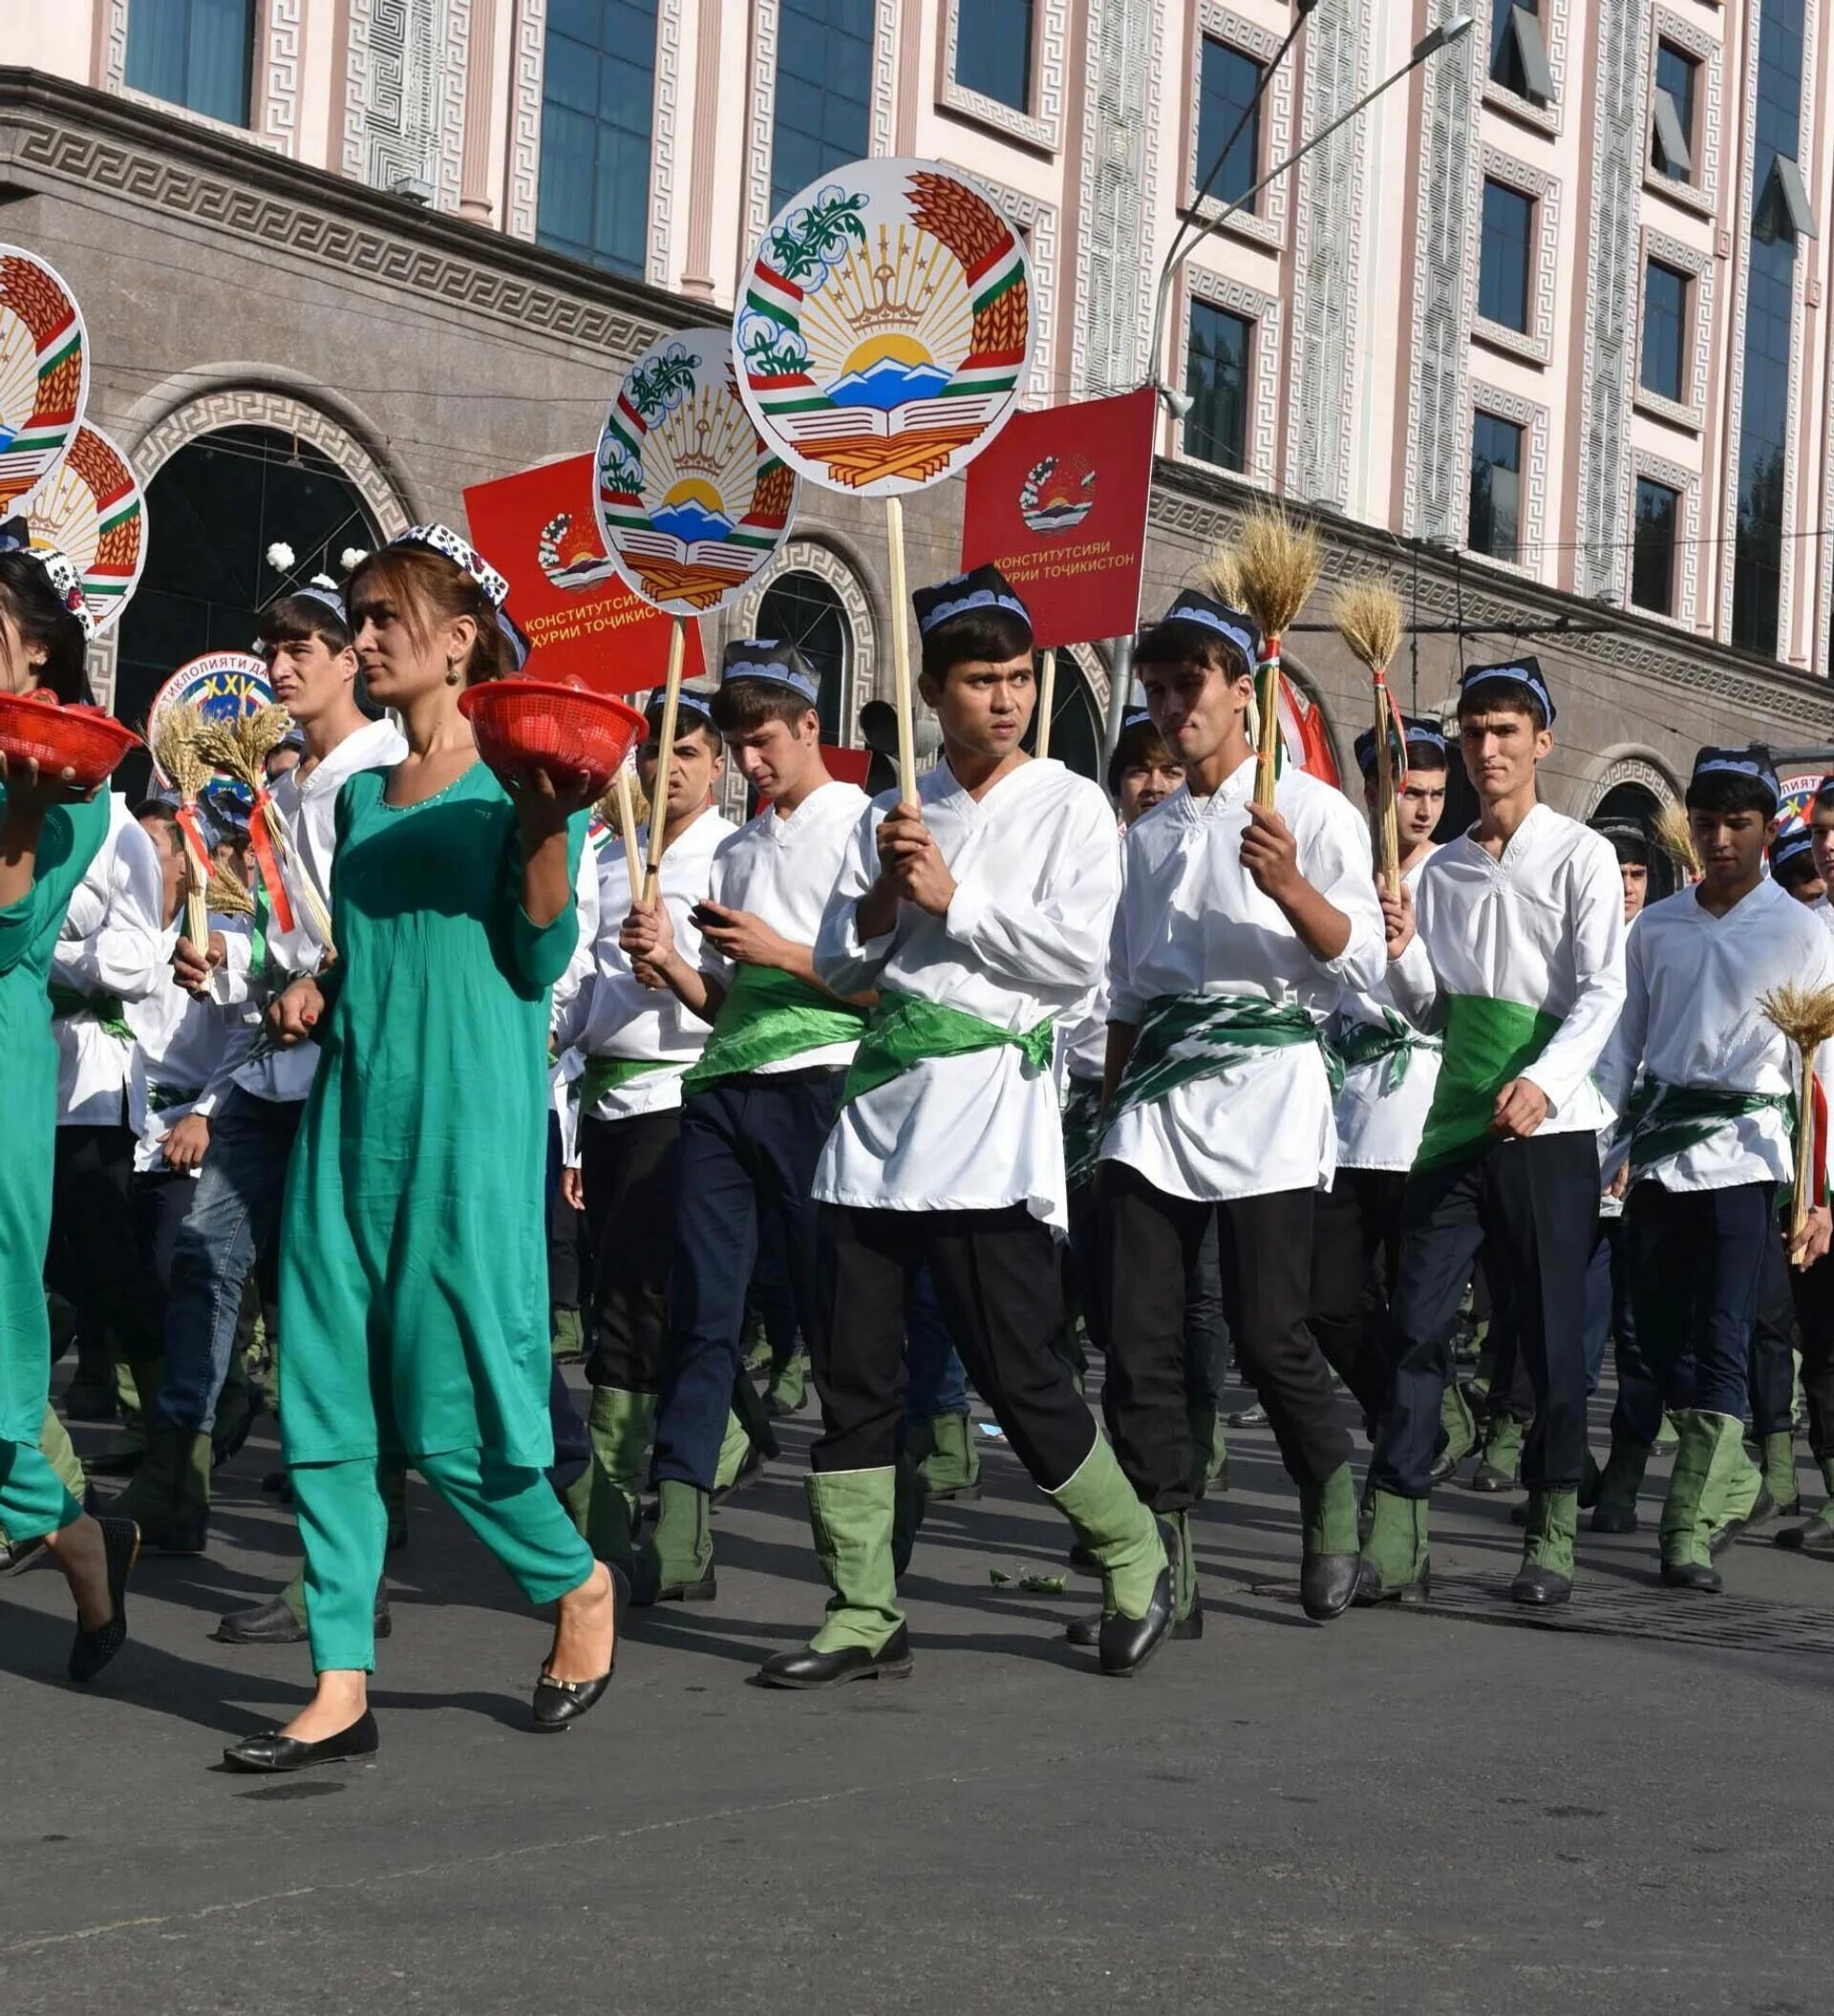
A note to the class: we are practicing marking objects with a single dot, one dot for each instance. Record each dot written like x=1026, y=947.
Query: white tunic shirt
x=1378, y=1119
x=1191, y=921
x=178, y=1043
x=1690, y=1019
x=112, y=944
x=620, y=1017
x=1542, y=927
x=309, y=806
x=1034, y=868
x=783, y=870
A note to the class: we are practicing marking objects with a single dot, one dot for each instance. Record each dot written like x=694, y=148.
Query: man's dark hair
x=744, y=706
x=687, y=723
x=1727, y=791
x=1823, y=799
x=985, y=636
x=158, y=812
x=292, y=618
x=1141, y=746
x=1180, y=643
x=1795, y=870
x=1503, y=696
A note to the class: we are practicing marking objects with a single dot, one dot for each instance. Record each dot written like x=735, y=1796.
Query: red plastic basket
x=562, y=729
x=34, y=729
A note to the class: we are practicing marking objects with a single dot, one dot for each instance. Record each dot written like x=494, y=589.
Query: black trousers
x=97, y=1261
x=1814, y=1293
x=1532, y=1208
x=1696, y=1263
x=1774, y=1338
x=568, y=1261
x=1207, y=1323
x=996, y=1280
x=1264, y=1255
x=627, y=1173
x=1355, y=1249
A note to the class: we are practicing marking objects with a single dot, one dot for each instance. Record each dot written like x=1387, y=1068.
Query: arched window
x=598, y=93
x=197, y=53
x=802, y=609
x=1639, y=803
x=215, y=511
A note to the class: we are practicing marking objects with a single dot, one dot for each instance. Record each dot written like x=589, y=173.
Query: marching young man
x=1522, y=921
x=240, y=1132
x=978, y=915
x=637, y=1040
x=1239, y=930
x=1389, y=1072
x=757, y=1106
x=1706, y=1137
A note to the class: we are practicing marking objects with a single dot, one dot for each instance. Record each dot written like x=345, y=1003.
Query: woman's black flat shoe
x=93, y=1650
x=559, y=1703
x=273, y=1751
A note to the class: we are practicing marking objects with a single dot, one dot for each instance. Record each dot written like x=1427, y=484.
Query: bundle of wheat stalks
x=1805, y=1016
x=1277, y=562
x=1675, y=838
x=240, y=749
x=226, y=894
x=178, y=751
x=1368, y=615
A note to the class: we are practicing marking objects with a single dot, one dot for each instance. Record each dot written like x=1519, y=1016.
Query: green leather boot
x=1460, y=1427
x=739, y=1458
x=1124, y=1538
x=943, y=1447
x=1545, y=1576
x=675, y=1563
x=1815, y=1536
x=1614, y=1509
x=1737, y=1496
x=1398, y=1567
x=1209, y=1449
x=1780, y=1473
x=1501, y=1452
x=861, y=1637
x=788, y=1387
x=567, y=1335
x=619, y=1425
x=910, y=1501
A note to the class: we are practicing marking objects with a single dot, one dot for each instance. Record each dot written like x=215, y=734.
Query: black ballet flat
x=272, y=1751
x=91, y=1650
x=559, y=1703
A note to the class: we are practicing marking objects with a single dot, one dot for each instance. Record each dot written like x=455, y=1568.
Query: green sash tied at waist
x=1081, y=1127
x=768, y=1017
x=1187, y=1036
x=107, y=1009
x=1486, y=1044
x=1664, y=1120
x=605, y=1074
x=1363, y=1043
x=905, y=1030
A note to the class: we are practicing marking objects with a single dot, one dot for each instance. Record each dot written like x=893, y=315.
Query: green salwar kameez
x=413, y=1259
x=33, y=1500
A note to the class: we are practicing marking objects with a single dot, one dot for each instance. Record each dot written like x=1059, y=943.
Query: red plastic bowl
x=562, y=729
x=34, y=729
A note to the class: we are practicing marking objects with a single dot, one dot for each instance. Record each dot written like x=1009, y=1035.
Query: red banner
x=1058, y=502
x=848, y=766
x=537, y=528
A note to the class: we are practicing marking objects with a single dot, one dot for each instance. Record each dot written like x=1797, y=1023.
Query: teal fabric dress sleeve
x=540, y=952
x=59, y=867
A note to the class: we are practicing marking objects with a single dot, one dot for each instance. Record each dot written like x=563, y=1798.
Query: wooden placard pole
x=1047, y=697
x=665, y=754
x=628, y=828
x=901, y=655
x=1267, y=744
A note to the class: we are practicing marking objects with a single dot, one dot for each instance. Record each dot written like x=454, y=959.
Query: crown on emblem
x=700, y=459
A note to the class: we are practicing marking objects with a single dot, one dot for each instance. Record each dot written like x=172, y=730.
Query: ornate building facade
x=1544, y=331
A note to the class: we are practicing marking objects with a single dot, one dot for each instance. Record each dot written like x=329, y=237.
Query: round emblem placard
x=225, y=685
x=91, y=507
x=44, y=372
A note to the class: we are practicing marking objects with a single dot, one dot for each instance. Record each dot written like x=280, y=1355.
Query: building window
x=1216, y=376
x=598, y=85
x=1518, y=55
x=1659, y=521
x=1507, y=257
x=1671, y=142
x=823, y=118
x=993, y=49
x=1665, y=332
x=1495, y=487
x=193, y=53
x=802, y=609
x=1226, y=88
x=1764, y=431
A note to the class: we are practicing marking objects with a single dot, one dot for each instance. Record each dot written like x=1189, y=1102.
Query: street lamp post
x=1179, y=403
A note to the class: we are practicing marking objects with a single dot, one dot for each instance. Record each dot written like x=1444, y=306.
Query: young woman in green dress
x=49, y=832
x=413, y=1273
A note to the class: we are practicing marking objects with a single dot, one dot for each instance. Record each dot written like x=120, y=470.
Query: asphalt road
x=1397, y=1813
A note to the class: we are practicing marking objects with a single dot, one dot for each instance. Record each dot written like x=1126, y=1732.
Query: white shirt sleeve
x=122, y=950
x=1124, y=1004
x=1340, y=866
x=844, y=962
x=1622, y=1056
x=1059, y=941
x=1598, y=966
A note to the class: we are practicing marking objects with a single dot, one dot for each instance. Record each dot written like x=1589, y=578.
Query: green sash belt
x=1487, y=1043
x=1082, y=1128
x=605, y=1074
x=1362, y=1043
x=107, y=1009
x=1664, y=1120
x=1187, y=1037
x=906, y=1028
x=767, y=1018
